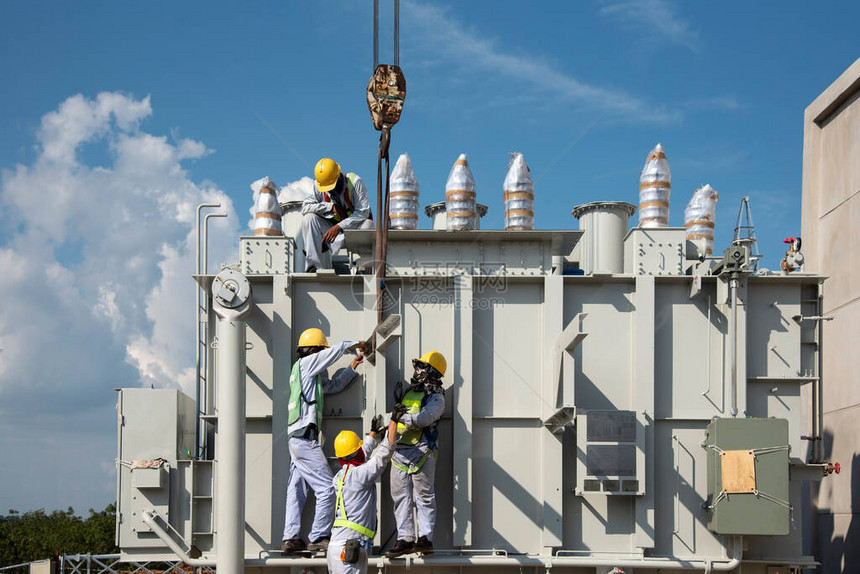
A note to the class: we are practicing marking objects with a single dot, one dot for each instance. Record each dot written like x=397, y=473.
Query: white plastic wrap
x=699, y=217
x=655, y=186
x=519, y=194
x=403, y=203
x=267, y=210
x=460, y=197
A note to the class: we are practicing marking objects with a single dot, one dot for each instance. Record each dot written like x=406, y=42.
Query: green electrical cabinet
x=748, y=475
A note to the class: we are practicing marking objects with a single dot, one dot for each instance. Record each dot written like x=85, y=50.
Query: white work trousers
x=335, y=566
x=313, y=229
x=418, y=488
x=309, y=468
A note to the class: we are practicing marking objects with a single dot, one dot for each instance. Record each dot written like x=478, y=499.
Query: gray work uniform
x=308, y=466
x=359, y=501
x=318, y=217
x=418, y=487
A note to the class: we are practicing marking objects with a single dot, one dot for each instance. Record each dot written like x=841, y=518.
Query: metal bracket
x=570, y=338
x=696, y=286
x=384, y=335
x=560, y=419
x=801, y=318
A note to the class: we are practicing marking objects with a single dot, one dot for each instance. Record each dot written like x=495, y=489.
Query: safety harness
x=342, y=520
x=296, y=393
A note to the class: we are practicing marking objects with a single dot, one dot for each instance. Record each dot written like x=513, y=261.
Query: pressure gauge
x=231, y=289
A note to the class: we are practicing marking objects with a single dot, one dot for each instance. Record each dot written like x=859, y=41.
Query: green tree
x=37, y=535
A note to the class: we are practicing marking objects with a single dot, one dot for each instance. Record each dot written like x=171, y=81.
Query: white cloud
x=652, y=19
x=79, y=120
x=97, y=260
x=296, y=190
x=465, y=50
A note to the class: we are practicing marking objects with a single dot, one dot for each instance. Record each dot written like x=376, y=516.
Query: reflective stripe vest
x=349, y=198
x=342, y=520
x=297, y=396
x=413, y=401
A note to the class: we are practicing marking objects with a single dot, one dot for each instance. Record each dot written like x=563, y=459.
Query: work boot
x=423, y=546
x=293, y=545
x=400, y=548
x=320, y=545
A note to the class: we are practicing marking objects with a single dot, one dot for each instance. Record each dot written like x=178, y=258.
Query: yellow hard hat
x=326, y=172
x=435, y=360
x=312, y=338
x=345, y=443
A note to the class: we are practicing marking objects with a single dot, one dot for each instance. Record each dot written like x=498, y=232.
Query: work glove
x=398, y=411
x=376, y=424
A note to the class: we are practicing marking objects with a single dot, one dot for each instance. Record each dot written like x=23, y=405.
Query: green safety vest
x=297, y=396
x=411, y=400
x=410, y=436
x=341, y=508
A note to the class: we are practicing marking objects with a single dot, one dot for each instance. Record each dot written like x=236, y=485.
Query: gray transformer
x=587, y=411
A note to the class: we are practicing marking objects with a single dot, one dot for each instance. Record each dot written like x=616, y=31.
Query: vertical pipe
x=230, y=451
x=197, y=322
x=818, y=442
x=203, y=359
x=733, y=344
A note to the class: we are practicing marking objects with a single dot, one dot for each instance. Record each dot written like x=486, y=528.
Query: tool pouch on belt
x=350, y=552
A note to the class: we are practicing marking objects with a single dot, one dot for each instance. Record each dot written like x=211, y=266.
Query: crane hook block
x=386, y=92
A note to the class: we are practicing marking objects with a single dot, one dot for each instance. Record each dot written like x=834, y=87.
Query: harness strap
x=341, y=508
x=414, y=467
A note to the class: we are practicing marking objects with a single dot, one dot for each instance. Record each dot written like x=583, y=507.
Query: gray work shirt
x=428, y=415
x=309, y=368
x=359, y=491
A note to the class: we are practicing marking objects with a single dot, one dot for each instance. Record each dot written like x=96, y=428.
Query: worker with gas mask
x=414, y=463
x=355, y=483
x=339, y=201
x=309, y=383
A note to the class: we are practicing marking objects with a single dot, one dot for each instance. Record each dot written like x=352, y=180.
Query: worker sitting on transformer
x=339, y=201
x=355, y=511
x=414, y=462
x=308, y=466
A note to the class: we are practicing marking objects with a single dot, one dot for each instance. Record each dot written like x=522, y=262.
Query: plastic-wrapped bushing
x=655, y=186
x=519, y=193
x=267, y=210
x=460, y=197
x=403, y=202
x=699, y=218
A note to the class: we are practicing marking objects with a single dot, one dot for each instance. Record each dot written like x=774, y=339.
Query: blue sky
x=117, y=118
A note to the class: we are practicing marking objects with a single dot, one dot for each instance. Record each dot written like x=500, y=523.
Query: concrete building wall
x=831, y=245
